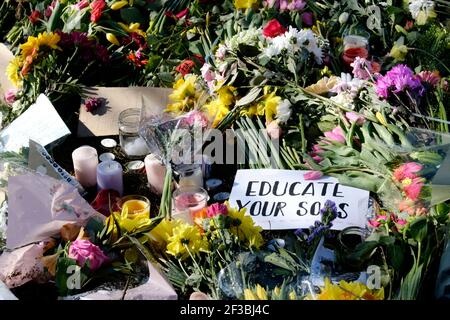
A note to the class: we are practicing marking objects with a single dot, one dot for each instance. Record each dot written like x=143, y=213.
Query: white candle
x=110, y=176
x=155, y=173
x=85, y=161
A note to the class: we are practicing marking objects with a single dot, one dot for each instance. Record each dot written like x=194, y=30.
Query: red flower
x=34, y=16
x=273, y=29
x=185, y=67
x=350, y=55
x=104, y=199
x=182, y=13
x=97, y=9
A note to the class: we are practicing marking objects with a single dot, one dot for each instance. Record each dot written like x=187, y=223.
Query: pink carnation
x=412, y=190
x=337, y=134
x=216, y=209
x=84, y=250
x=407, y=170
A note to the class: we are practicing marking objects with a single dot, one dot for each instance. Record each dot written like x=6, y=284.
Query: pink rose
x=216, y=209
x=273, y=130
x=312, y=175
x=337, y=134
x=84, y=250
x=10, y=96
x=354, y=117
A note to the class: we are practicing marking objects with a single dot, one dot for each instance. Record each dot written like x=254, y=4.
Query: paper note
x=105, y=120
x=283, y=199
x=40, y=123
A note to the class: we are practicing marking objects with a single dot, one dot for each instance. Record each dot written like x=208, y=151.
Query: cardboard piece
x=283, y=199
x=40, y=161
x=105, y=120
x=5, y=57
x=40, y=122
x=155, y=288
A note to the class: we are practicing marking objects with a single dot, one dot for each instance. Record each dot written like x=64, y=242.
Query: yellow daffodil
x=127, y=223
x=34, y=44
x=349, y=291
x=133, y=27
x=186, y=240
x=12, y=71
x=399, y=50
x=184, y=95
x=425, y=15
x=113, y=39
x=244, y=228
x=119, y=5
x=268, y=104
x=245, y=4
x=220, y=107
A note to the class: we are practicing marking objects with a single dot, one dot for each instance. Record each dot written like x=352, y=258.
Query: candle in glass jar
x=85, y=161
x=187, y=201
x=155, y=173
x=136, y=206
x=110, y=176
x=130, y=141
x=190, y=175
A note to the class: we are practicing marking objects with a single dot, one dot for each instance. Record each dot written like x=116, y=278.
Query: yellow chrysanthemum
x=244, y=228
x=245, y=4
x=185, y=240
x=184, y=95
x=349, y=291
x=12, y=71
x=34, y=44
x=249, y=295
x=163, y=231
x=127, y=223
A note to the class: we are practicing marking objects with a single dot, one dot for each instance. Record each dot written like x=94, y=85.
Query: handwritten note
x=40, y=123
x=283, y=199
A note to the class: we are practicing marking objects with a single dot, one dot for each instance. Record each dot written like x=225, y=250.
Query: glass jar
x=190, y=175
x=132, y=144
x=135, y=205
x=348, y=240
x=187, y=201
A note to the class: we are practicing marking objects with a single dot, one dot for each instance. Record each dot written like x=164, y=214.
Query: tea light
x=213, y=184
x=85, y=161
x=108, y=143
x=221, y=197
x=106, y=156
x=155, y=173
x=135, y=166
x=188, y=201
x=110, y=176
x=135, y=205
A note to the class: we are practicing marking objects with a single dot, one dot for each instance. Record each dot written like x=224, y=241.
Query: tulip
x=312, y=175
x=112, y=38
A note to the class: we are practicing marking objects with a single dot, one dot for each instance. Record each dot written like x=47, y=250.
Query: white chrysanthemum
x=284, y=111
x=415, y=6
x=249, y=37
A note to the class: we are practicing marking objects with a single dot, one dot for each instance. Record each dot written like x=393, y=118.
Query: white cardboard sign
x=283, y=199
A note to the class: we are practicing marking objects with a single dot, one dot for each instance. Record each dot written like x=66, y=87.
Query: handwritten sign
x=283, y=199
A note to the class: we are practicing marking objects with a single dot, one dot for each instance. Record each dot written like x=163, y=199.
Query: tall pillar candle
x=110, y=176
x=85, y=161
x=155, y=173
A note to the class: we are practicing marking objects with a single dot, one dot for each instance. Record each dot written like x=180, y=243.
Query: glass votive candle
x=190, y=175
x=130, y=141
x=85, y=161
x=135, y=205
x=188, y=200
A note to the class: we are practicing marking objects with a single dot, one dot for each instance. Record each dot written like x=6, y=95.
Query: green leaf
x=132, y=15
x=249, y=97
x=419, y=228
x=55, y=18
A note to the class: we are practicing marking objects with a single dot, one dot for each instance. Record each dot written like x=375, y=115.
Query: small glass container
x=132, y=144
x=136, y=205
x=190, y=175
x=355, y=41
x=188, y=200
x=348, y=239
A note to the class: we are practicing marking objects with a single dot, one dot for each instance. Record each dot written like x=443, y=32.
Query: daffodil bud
x=112, y=38
x=119, y=5
x=343, y=18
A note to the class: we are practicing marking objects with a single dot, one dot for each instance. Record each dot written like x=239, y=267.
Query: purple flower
x=399, y=79
x=307, y=19
x=10, y=96
x=362, y=68
x=92, y=104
